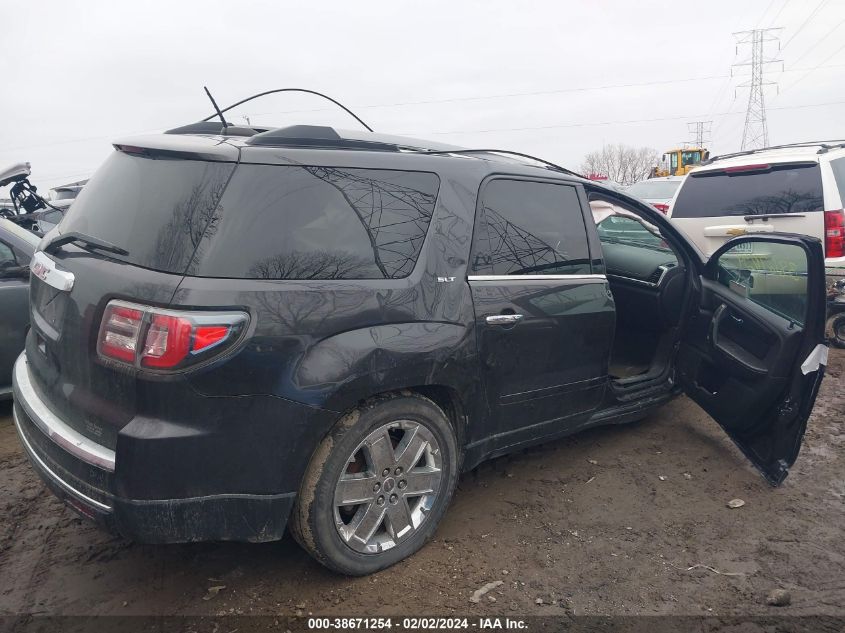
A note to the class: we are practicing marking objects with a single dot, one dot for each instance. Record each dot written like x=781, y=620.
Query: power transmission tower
x=699, y=130
x=756, y=132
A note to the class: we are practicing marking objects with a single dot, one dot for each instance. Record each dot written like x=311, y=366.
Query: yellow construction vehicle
x=679, y=162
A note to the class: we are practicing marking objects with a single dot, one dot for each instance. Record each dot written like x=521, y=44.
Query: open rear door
x=754, y=354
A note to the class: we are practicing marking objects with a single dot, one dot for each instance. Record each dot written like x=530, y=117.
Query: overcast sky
x=554, y=79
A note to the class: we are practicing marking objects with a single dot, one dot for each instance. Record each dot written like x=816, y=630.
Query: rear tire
x=378, y=485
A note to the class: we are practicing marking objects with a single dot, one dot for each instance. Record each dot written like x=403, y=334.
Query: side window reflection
x=530, y=228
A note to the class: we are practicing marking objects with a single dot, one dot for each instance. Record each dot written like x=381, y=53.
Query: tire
x=351, y=464
x=837, y=331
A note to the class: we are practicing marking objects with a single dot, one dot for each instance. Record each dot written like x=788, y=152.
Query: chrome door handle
x=503, y=319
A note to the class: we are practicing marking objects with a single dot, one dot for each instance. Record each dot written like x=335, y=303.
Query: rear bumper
x=86, y=477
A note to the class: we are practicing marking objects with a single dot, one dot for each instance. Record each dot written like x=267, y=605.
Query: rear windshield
x=786, y=188
x=654, y=189
x=268, y=222
x=301, y=222
x=157, y=209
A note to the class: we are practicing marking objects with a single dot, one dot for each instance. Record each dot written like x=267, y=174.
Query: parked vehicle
x=238, y=330
x=680, y=161
x=797, y=188
x=658, y=192
x=29, y=209
x=16, y=248
x=67, y=192
x=42, y=222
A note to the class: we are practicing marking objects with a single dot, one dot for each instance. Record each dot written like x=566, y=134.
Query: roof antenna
x=219, y=113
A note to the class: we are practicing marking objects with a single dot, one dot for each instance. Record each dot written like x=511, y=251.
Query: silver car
x=658, y=192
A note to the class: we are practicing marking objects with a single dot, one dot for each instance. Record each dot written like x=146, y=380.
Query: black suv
x=237, y=331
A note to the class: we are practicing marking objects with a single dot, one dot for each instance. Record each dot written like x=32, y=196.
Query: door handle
x=503, y=319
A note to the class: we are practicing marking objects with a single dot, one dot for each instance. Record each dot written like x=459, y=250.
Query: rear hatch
x=153, y=204
x=716, y=204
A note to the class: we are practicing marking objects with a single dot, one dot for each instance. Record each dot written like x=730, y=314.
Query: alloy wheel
x=388, y=487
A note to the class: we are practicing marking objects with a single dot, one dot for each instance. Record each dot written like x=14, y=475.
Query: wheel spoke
x=411, y=448
x=422, y=481
x=364, y=527
x=399, y=519
x=353, y=490
x=380, y=450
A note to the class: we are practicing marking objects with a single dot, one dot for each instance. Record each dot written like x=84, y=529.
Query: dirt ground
x=616, y=521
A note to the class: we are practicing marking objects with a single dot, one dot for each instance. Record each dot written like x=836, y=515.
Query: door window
x=770, y=274
x=530, y=228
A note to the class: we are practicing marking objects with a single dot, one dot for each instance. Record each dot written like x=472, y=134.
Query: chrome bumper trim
x=53, y=427
x=53, y=476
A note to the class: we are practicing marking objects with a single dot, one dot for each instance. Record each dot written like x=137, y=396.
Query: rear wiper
x=87, y=240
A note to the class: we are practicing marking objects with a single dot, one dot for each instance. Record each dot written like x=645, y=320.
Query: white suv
x=797, y=188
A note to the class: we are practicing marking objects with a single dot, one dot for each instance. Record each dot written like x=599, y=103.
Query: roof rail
x=216, y=128
x=548, y=164
x=824, y=146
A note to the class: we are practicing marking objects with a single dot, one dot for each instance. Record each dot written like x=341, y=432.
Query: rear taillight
x=663, y=208
x=143, y=336
x=834, y=233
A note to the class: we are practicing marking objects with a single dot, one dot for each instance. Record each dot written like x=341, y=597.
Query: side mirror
x=14, y=272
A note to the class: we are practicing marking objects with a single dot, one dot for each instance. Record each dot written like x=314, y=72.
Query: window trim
x=478, y=221
x=579, y=277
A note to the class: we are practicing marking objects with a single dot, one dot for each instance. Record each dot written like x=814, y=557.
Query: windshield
x=623, y=229
x=785, y=188
x=654, y=189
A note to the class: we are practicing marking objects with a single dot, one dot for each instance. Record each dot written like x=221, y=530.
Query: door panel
x=552, y=362
x=544, y=321
x=758, y=319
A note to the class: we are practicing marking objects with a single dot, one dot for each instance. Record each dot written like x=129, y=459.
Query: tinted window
x=156, y=209
x=780, y=189
x=530, y=228
x=318, y=223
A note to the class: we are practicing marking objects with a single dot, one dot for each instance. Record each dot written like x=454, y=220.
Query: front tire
x=378, y=485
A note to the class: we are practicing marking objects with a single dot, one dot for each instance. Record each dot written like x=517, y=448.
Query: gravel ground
x=616, y=521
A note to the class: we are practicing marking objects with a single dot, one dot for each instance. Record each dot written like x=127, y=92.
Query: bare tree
x=621, y=163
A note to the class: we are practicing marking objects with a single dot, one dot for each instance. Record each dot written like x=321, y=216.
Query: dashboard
x=647, y=284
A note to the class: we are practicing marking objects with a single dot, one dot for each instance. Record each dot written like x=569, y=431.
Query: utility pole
x=756, y=132
x=699, y=131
